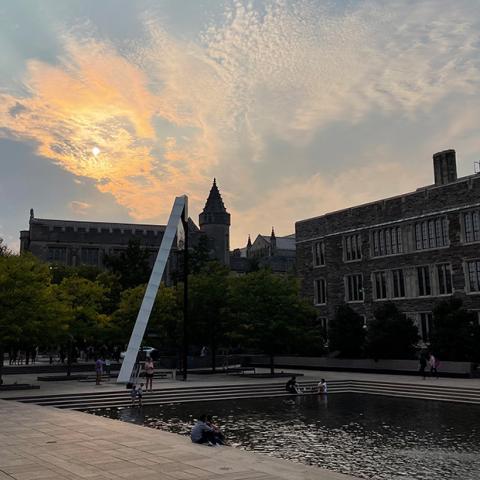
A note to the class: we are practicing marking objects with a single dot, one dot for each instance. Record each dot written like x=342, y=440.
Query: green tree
x=84, y=300
x=268, y=313
x=455, y=332
x=199, y=256
x=30, y=313
x=346, y=333
x=4, y=250
x=391, y=334
x=131, y=266
x=208, y=306
x=163, y=329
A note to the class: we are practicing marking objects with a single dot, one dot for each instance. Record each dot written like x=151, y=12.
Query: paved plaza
x=48, y=443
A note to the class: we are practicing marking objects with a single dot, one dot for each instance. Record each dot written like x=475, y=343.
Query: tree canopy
x=455, y=334
x=346, y=333
x=391, y=334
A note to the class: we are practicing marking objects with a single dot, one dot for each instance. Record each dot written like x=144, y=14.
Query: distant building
x=413, y=249
x=73, y=242
x=267, y=251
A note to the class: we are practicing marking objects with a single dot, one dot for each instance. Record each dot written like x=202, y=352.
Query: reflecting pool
x=363, y=435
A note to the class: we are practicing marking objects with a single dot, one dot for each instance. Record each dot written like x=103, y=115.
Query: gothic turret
x=215, y=224
x=273, y=243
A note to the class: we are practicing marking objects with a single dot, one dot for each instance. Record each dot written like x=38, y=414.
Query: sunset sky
x=109, y=109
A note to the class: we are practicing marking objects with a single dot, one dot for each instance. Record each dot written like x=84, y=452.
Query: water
x=363, y=435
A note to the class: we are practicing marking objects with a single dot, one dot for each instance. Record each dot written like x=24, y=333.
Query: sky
x=108, y=110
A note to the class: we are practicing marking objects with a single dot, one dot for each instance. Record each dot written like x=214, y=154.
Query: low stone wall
x=460, y=369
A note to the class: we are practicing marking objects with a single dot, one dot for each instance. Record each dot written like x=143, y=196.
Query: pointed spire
x=214, y=201
x=273, y=242
x=249, y=243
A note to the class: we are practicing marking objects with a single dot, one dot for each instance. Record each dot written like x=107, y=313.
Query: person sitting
x=292, y=385
x=322, y=387
x=219, y=436
x=202, y=432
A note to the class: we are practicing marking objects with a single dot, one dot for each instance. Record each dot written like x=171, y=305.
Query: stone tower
x=215, y=224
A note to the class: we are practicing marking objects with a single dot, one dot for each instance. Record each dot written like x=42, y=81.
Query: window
x=352, y=245
x=323, y=324
x=471, y=226
x=426, y=325
x=431, y=233
x=473, y=271
x=354, y=288
x=380, y=285
x=398, y=283
x=444, y=277
x=424, y=285
x=90, y=256
x=318, y=254
x=387, y=241
x=320, y=291
x=57, y=254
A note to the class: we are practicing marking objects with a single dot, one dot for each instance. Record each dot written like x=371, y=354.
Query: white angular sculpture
x=179, y=207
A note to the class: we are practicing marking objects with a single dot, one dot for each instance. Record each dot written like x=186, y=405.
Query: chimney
x=445, y=167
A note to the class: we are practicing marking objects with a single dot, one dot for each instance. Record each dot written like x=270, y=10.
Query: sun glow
x=95, y=151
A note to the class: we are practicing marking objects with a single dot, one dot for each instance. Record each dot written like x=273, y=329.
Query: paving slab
x=48, y=443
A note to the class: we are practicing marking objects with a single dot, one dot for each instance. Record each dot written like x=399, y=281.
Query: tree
x=391, y=334
x=346, y=333
x=84, y=300
x=132, y=265
x=4, y=250
x=163, y=330
x=208, y=305
x=455, y=333
x=199, y=256
x=268, y=313
x=30, y=313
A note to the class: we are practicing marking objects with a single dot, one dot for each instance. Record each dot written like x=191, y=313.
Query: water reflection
x=367, y=436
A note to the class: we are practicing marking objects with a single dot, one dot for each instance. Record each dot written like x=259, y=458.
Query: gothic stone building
x=267, y=251
x=72, y=242
x=414, y=249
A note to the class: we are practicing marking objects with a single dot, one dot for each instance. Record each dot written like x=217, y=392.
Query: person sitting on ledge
x=202, y=432
x=292, y=385
x=322, y=387
x=219, y=436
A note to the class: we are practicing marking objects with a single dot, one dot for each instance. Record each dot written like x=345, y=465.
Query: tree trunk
x=272, y=365
x=1, y=363
x=213, y=346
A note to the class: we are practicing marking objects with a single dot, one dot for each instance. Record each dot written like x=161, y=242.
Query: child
x=133, y=394
x=140, y=394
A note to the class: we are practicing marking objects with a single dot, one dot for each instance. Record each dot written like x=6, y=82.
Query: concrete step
x=415, y=395
x=166, y=396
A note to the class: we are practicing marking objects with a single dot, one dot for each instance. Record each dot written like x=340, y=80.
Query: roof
x=283, y=243
x=214, y=202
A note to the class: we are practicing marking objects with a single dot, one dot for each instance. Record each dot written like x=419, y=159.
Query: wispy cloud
x=80, y=208
x=166, y=113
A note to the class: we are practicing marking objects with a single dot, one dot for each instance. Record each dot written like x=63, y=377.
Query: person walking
x=432, y=363
x=423, y=364
x=133, y=394
x=149, y=372
x=98, y=370
x=139, y=393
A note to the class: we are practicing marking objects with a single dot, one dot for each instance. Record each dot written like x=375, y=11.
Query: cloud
x=168, y=112
x=80, y=208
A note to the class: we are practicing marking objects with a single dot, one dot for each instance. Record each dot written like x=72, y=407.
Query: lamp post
x=185, y=294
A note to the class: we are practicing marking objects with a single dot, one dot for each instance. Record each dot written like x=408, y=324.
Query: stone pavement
x=72, y=387
x=48, y=443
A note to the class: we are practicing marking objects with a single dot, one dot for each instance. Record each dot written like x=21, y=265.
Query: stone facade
x=267, y=251
x=73, y=242
x=414, y=249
